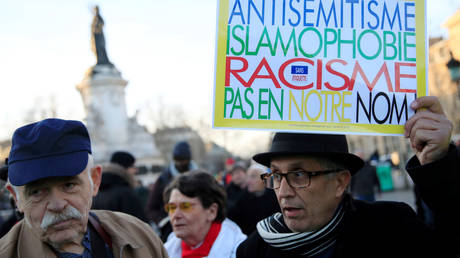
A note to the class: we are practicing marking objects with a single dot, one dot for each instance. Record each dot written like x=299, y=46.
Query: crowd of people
x=307, y=196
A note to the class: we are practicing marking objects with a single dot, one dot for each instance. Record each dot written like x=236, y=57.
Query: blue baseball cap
x=49, y=148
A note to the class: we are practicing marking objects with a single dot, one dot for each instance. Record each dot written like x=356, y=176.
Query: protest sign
x=336, y=66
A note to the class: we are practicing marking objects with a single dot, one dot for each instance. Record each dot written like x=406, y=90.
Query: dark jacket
x=252, y=208
x=391, y=229
x=117, y=194
x=234, y=193
x=154, y=209
x=365, y=181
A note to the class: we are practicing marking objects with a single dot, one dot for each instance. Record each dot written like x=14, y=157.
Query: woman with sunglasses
x=196, y=205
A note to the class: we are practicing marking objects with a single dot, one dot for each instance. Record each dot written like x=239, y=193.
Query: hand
x=429, y=130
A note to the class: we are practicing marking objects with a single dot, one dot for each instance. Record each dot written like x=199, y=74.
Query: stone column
x=103, y=93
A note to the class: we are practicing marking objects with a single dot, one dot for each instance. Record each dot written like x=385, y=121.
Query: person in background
x=237, y=187
x=15, y=214
x=311, y=172
x=52, y=178
x=256, y=204
x=196, y=206
x=227, y=177
x=116, y=192
x=182, y=162
x=365, y=183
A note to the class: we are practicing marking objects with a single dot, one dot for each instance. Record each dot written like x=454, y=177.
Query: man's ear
x=343, y=180
x=96, y=175
x=13, y=193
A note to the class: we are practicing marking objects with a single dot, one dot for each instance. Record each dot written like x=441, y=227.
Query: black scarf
x=274, y=231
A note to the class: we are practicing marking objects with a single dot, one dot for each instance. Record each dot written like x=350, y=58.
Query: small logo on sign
x=299, y=73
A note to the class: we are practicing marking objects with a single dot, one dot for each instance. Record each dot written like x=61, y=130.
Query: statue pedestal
x=103, y=93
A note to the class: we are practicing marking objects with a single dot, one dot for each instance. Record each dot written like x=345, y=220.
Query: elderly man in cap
x=53, y=179
x=310, y=174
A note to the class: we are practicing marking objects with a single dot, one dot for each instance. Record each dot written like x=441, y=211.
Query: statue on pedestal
x=98, y=40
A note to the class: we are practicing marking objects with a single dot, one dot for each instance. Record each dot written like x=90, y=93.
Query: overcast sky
x=165, y=49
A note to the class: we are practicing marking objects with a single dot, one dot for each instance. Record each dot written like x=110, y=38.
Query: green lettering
x=236, y=105
x=320, y=39
x=359, y=44
x=248, y=100
x=346, y=41
x=262, y=102
x=391, y=44
x=329, y=42
x=406, y=45
x=237, y=38
x=247, y=52
x=278, y=108
x=285, y=47
x=267, y=44
x=226, y=100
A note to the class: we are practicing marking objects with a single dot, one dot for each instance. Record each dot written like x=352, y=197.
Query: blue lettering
x=321, y=10
x=387, y=15
x=240, y=13
x=296, y=12
x=408, y=15
x=373, y=14
x=261, y=16
x=305, y=11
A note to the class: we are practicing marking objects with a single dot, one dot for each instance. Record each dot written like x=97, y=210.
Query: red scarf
x=203, y=250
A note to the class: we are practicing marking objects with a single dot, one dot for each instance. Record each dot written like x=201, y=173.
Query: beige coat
x=130, y=238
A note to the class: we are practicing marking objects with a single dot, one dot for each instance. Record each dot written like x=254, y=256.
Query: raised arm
x=429, y=130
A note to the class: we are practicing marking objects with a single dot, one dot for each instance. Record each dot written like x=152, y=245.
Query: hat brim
x=69, y=164
x=353, y=162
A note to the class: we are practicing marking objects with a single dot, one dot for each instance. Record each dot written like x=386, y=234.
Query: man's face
x=239, y=177
x=182, y=165
x=309, y=208
x=57, y=208
x=255, y=184
x=132, y=170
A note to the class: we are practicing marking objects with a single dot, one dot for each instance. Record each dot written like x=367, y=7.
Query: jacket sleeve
x=439, y=185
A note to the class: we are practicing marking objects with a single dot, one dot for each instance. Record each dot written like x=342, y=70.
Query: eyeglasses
x=183, y=206
x=295, y=179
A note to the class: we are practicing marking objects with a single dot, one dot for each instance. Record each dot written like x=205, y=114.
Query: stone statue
x=98, y=40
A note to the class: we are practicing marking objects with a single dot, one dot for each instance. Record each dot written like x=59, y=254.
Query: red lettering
x=398, y=77
x=345, y=78
x=319, y=74
x=235, y=72
x=383, y=70
x=270, y=75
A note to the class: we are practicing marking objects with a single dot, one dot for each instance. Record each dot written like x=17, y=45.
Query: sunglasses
x=183, y=206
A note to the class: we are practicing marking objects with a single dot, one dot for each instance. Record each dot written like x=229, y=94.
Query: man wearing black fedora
x=52, y=177
x=310, y=174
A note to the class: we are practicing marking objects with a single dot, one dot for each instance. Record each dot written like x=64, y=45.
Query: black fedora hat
x=325, y=145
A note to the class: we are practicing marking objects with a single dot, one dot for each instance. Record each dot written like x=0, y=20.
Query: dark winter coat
x=155, y=203
x=365, y=181
x=234, y=193
x=117, y=194
x=252, y=208
x=391, y=229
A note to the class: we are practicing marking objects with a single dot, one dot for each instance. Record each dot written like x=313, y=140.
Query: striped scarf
x=274, y=232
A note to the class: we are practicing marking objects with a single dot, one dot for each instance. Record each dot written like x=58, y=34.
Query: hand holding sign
x=429, y=129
